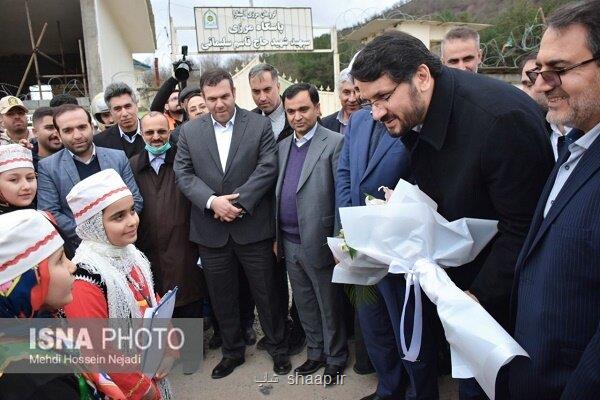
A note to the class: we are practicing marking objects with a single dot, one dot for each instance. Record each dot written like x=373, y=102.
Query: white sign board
x=253, y=29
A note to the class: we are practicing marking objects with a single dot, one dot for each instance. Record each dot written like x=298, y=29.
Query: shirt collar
x=277, y=113
x=153, y=156
x=587, y=139
x=340, y=117
x=137, y=131
x=82, y=161
x=309, y=135
x=230, y=122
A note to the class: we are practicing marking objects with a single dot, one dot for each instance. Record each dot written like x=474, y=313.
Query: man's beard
x=581, y=110
x=177, y=111
x=413, y=117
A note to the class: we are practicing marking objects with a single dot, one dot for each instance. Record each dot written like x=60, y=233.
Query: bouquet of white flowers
x=407, y=235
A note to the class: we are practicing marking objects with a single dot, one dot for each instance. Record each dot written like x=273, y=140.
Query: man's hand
x=224, y=209
x=471, y=295
x=26, y=143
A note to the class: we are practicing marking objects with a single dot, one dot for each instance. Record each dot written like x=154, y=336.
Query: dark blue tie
x=565, y=141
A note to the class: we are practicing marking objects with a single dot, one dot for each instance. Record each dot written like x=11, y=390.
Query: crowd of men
x=236, y=203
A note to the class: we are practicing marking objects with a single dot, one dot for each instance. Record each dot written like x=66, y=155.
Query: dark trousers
x=422, y=373
x=379, y=339
x=246, y=304
x=222, y=278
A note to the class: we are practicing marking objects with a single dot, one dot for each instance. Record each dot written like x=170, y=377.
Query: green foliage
x=361, y=295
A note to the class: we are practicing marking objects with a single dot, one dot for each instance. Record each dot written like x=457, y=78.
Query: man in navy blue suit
x=556, y=297
x=371, y=158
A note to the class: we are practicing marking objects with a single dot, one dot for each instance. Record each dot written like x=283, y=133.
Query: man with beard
x=14, y=120
x=479, y=149
x=48, y=142
x=556, y=298
x=79, y=159
x=560, y=136
x=173, y=111
x=460, y=49
x=125, y=134
x=338, y=121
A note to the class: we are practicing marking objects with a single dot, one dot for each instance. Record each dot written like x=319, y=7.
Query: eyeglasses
x=552, y=76
x=377, y=103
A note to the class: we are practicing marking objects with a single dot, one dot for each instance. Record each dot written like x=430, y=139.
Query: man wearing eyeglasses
x=560, y=136
x=478, y=147
x=556, y=298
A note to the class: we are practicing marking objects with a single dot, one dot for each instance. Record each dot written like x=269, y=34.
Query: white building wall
x=115, y=55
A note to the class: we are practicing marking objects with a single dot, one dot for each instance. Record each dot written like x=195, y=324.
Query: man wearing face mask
x=172, y=256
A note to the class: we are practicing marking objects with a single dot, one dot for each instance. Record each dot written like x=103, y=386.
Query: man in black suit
x=125, y=134
x=226, y=165
x=338, y=121
x=556, y=297
x=479, y=149
x=264, y=84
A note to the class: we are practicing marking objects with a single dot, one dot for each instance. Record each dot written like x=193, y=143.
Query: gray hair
x=345, y=76
x=117, y=89
x=461, y=33
x=260, y=68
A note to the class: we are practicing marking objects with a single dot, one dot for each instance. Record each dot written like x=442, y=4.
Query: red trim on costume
x=10, y=160
x=30, y=250
x=98, y=200
x=40, y=291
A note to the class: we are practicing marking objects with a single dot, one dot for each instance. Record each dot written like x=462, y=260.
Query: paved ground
x=242, y=383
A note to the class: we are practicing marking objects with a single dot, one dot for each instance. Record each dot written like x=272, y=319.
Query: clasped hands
x=224, y=209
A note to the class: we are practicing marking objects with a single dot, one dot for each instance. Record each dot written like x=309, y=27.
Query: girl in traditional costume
x=18, y=183
x=113, y=278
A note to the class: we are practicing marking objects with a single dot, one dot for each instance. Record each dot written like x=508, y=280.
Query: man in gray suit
x=226, y=165
x=305, y=195
x=79, y=159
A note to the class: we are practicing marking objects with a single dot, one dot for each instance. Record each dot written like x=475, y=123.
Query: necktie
x=560, y=146
x=567, y=140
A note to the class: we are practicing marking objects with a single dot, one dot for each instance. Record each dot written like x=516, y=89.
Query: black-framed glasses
x=552, y=76
x=377, y=103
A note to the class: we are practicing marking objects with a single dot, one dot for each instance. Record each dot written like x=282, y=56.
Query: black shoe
x=374, y=396
x=226, y=367
x=260, y=345
x=281, y=364
x=363, y=371
x=332, y=373
x=215, y=342
x=309, y=367
x=249, y=336
x=296, y=346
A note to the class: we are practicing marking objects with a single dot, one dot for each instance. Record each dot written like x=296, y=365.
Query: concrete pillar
x=90, y=40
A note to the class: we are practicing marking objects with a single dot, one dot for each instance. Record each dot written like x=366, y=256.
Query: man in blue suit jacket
x=556, y=296
x=78, y=159
x=371, y=158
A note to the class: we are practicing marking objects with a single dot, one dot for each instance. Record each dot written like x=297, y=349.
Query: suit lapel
x=385, y=142
x=69, y=165
x=207, y=138
x=586, y=167
x=284, y=152
x=239, y=127
x=317, y=146
x=362, y=142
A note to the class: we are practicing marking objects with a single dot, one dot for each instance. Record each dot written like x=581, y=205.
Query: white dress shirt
x=277, y=118
x=223, y=135
x=156, y=161
x=577, y=150
x=299, y=142
x=131, y=138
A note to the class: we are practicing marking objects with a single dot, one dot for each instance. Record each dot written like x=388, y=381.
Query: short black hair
x=585, y=13
x=61, y=99
x=118, y=89
x=62, y=109
x=395, y=54
x=40, y=113
x=214, y=76
x=525, y=58
x=296, y=88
